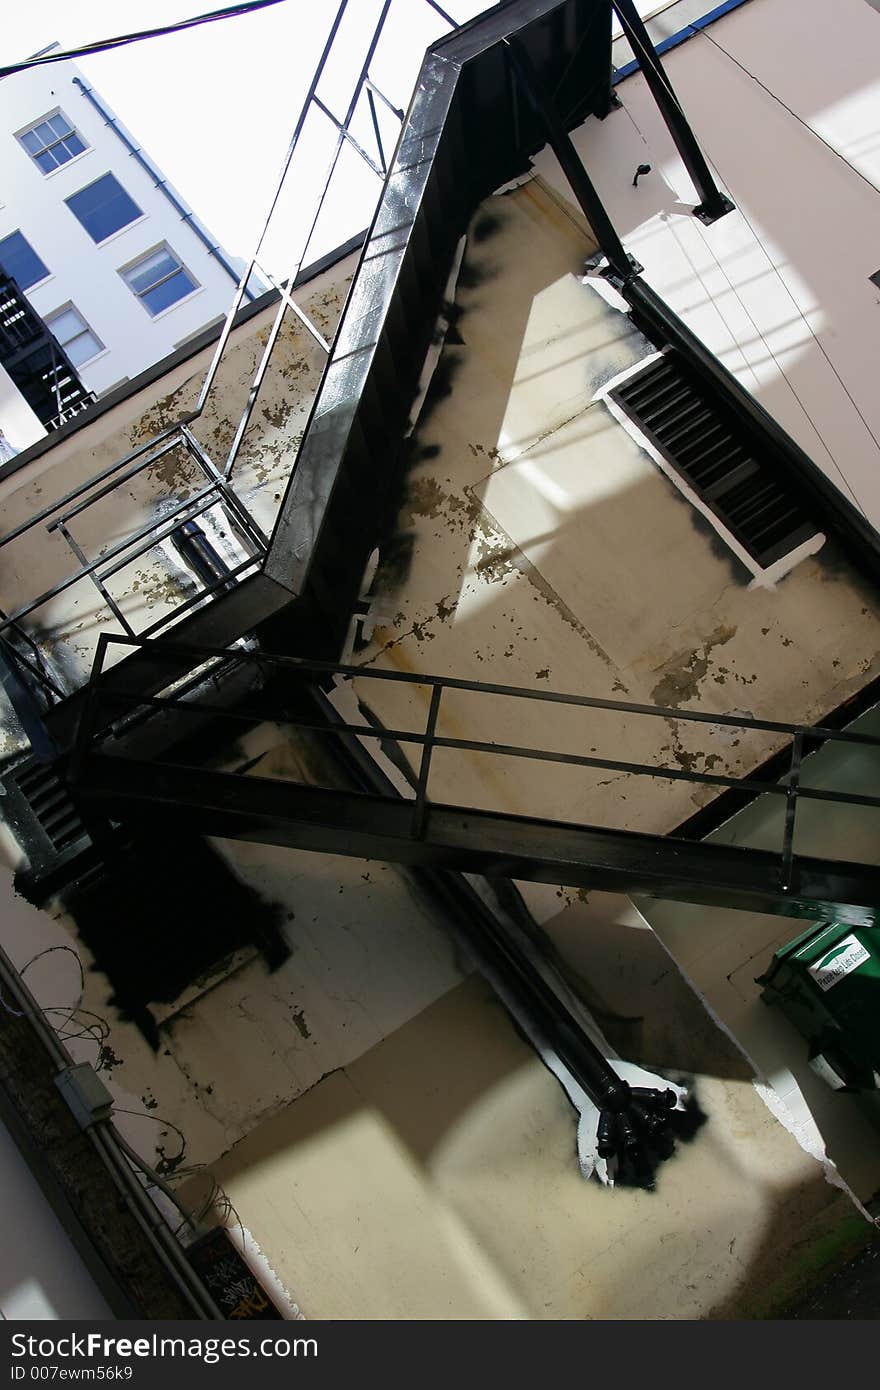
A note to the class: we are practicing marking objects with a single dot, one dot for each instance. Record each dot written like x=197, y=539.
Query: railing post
x=797, y=750
x=714, y=203
x=86, y=723
x=418, y=821
x=570, y=161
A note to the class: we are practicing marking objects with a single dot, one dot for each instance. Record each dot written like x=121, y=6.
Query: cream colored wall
x=435, y=1177
x=547, y=550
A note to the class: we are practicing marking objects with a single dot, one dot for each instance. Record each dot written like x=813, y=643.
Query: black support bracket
x=714, y=203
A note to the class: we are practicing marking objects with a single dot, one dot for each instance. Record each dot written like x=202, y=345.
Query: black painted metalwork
x=572, y=166
x=22, y=697
x=35, y=362
x=462, y=837
x=525, y=977
x=217, y=491
x=203, y=558
x=714, y=203
x=345, y=486
x=341, y=494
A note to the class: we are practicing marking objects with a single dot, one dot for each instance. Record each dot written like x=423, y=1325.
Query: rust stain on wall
x=682, y=674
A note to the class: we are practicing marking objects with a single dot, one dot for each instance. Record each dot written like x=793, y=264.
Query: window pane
x=20, y=260
x=53, y=142
x=103, y=208
x=70, y=329
x=82, y=348
x=144, y=276
x=65, y=325
x=169, y=292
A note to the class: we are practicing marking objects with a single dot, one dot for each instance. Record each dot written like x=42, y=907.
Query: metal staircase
x=519, y=77
x=35, y=362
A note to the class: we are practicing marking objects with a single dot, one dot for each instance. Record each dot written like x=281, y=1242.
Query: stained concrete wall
x=546, y=549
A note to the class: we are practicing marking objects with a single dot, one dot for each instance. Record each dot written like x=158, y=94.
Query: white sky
x=215, y=106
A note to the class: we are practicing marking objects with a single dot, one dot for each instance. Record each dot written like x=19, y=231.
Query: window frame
x=33, y=156
x=181, y=267
x=108, y=174
x=69, y=308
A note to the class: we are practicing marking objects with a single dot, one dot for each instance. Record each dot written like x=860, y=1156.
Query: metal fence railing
x=103, y=696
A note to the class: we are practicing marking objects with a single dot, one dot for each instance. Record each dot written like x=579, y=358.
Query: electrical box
x=85, y=1093
x=827, y=982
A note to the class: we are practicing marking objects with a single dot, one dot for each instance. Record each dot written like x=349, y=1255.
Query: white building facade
x=107, y=252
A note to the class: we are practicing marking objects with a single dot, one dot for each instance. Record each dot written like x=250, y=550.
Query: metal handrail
x=308, y=665
x=178, y=433
x=789, y=787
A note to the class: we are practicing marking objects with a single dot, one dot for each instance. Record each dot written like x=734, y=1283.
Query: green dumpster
x=827, y=982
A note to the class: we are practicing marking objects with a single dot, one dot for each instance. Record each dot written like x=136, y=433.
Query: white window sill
x=114, y=236
x=61, y=167
x=187, y=299
x=39, y=284
x=105, y=352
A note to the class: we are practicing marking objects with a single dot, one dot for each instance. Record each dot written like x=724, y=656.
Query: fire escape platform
x=471, y=841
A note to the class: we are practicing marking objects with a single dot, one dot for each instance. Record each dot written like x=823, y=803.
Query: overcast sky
x=215, y=106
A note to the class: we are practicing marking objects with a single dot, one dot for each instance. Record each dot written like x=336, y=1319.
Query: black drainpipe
x=161, y=184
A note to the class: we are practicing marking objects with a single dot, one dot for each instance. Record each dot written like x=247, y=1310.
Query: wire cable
x=82, y=979
x=155, y=1180
x=104, y=45
x=159, y=1120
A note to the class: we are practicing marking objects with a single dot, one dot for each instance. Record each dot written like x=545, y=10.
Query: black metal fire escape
x=488, y=97
x=123, y=767
x=35, y=362
x=521, y=75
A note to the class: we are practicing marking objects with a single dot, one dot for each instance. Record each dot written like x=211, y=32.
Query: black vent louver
x=718, y=457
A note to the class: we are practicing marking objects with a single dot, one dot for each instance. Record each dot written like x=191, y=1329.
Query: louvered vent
x=717, y=457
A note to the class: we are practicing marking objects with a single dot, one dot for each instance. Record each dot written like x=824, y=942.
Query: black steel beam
x=591, y=204
x=474, y=841
x=714, y=203
x=218, y=623
x=497, y=952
